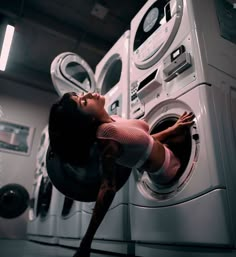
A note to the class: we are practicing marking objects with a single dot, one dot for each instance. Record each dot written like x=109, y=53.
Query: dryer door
x=14, y=200
x=153, y=30
x=108, y=78
x=69, y=72
x=110, y=74
x=44, y=197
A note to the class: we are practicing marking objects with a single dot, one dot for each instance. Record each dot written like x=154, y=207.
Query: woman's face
x=91, y=103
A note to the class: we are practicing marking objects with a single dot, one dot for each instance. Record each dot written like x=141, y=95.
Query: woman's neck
x=106, y=118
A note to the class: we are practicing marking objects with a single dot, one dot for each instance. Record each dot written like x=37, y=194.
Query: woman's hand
x=178, y=130
x=185, y=121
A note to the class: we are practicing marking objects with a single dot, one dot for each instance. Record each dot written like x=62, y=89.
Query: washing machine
x=193, y=214
x=49, y=204
x=175, y=42
x=113, y=235
x=69, y=225
x=69, y=73
x=46, y=203
x=14, y=197
x=43, y=144
x=32, y=218
x=197, y=208
x=111, y=78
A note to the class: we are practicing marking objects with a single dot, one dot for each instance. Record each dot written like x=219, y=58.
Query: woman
x=77, y=122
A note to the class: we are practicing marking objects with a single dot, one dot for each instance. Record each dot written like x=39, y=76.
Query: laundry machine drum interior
x=110, y=74
x=186, y=152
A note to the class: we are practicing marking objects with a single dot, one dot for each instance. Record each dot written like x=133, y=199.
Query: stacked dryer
x=112, y=77
x=32, y=225
x=46, y=200
x=68, y=73
x=183, y=58
x=71, y=73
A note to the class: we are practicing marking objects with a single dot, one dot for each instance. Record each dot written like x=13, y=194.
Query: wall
x=27, y=106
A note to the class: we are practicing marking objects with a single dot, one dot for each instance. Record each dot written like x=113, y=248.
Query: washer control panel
x=175, y=63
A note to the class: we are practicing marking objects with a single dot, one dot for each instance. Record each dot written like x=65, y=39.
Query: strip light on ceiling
x=6, y=46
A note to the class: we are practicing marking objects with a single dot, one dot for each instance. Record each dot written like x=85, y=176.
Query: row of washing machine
x=55, y=218
x=179, y=55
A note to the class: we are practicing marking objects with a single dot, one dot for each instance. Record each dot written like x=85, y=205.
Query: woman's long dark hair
x=72, y=132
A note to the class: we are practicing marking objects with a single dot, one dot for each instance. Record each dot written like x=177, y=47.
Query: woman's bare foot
x=82, y=253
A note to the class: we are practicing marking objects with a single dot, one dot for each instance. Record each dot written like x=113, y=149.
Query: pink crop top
x=134, y=138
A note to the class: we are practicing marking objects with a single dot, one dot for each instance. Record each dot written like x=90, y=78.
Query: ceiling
x=46, y=28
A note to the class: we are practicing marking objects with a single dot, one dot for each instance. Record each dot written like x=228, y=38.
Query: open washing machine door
x=69, y=72
x=160, y=118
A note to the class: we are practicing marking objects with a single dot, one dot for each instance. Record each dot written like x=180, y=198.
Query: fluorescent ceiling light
x=6, y=46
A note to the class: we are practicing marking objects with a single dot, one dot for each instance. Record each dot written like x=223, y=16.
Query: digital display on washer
x=177, y=52
x=157, y=15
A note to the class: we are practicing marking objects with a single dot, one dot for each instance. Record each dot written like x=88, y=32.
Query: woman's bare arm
x=163, y=135
x=184, y=121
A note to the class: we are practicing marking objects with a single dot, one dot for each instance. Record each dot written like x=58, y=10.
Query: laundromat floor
x=24, y=248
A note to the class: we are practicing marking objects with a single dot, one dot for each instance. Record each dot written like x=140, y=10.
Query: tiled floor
x=21, y=248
